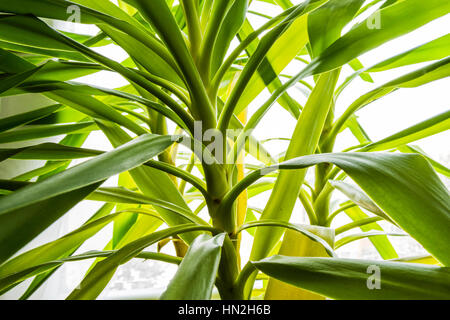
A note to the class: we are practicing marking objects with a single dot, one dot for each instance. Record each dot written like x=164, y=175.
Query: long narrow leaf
x=352, y=279
x=197, y=272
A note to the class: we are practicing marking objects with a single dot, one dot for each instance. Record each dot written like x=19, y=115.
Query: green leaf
x=396, y=21
x=56, y=249
x=197, y=272
x=273, y=48
x=72, y=140
x=21, y=225
x=11, y=63
x=92, y=12
x=94, y=108
x=266, y=75
x=99, y=276
x=30, y=32
x=81, y=102
x=404, y=186
x=253, y=146
x=424, y=259
x=131, y=25
x=48, y=151
x=123, y=224
x=102, y=110
x=230, y=26
x=9, y=82
x=51, y=71
x=41, y=171
x=55, y=9
x=64, y=71
x=144, y=226
x=27, y=117
x=434, y=50
x=45, y=130
x=122, y=195
x=358, y=66
x=219, y=10
x=24, y=209
x=349, y=279
x=440, y=168
x=47, y=53
x=190, y=9
x=326, y=23
x=152, y=62
x=101, y=167
x=357, y=223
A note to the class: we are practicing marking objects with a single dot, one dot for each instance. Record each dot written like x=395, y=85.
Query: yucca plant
x=194, y=67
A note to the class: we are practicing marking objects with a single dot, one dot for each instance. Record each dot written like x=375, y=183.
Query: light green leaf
x=434, y=50
x=326, y=23
x=427, y=74
x=162, y=20
x=429, y=127
x=277, y=58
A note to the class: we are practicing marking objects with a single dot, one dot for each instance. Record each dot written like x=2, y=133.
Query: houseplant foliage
x=183, y=72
